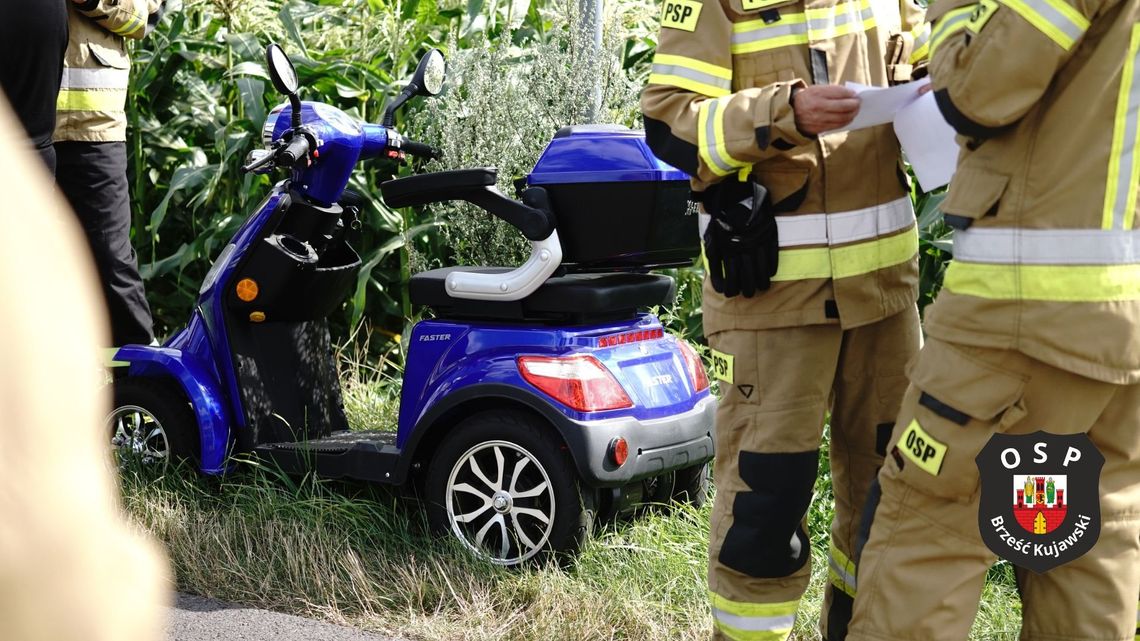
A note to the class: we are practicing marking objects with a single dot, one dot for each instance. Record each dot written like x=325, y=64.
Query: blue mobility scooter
x=535, y=399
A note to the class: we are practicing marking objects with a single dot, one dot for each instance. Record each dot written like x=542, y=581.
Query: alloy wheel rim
x=137, y=435
x=500, y=502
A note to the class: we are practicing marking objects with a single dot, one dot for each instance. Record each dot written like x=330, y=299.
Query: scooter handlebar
x=293, y=152
x=423, y=150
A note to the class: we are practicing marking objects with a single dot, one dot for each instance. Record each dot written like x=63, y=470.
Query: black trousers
x=33, y=38
x=93, y=177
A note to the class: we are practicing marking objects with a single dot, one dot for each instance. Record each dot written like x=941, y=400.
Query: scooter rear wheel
x=151, y=424
x=503, y=484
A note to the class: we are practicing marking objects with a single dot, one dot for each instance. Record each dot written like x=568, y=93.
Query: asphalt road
x=195, y=618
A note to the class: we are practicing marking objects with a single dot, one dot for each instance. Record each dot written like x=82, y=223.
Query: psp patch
x=1040, y=497
x=681, y=14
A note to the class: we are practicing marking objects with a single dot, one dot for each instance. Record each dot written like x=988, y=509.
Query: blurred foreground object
x=70, y=567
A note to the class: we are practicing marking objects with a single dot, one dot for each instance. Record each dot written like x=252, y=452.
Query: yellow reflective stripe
x=842, y=19
x=688, y=84
x=850, y=17
x=756, y=35
x=743, y=609
x=694, y=64
x=845, y=262
x=1059, y=283
x=109, y=358
x=921, y=50
x=691, y=74
x=711, y=140
x=1055, y=18
x=950, y=23
x=842, y=570
x=106, y=100
x=130, y=26
x=741, y=621
x=867, y=257
x=1123, y=168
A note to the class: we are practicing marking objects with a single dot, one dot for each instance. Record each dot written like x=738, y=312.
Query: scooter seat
x=574, y=297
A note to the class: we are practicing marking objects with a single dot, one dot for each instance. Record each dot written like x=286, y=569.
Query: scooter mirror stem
x=397, y=102
x=295, y=104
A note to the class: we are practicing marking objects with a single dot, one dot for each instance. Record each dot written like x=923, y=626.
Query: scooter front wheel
x=504, y=486
x=151, y=424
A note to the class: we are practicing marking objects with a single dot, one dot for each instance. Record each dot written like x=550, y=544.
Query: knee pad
x=767, y=539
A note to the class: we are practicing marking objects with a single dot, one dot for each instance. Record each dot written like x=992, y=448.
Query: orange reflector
x=257, y=317
x=619, y=451
x=247, y=289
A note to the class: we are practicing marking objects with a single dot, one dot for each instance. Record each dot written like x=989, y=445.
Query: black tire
x=691, y=485
x=154, y=403
x=495, y=510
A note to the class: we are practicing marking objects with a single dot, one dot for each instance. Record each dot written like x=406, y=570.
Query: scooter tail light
x=626, y=338
x=581, y=383
x=697, y=373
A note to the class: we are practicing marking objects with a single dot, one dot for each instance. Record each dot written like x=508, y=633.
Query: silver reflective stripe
x=755, y=624
x=947, y=25
x=845, y=13
x=842, y=573
x=770, y=32
x=923, y=37
x=712, y=140
x=692, y=74
x=1048, y=12
x=1122, y=166
x=1047, y=246
x=845, y=227
x=101, y=78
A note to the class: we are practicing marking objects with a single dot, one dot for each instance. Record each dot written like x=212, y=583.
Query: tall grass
x=364, y=556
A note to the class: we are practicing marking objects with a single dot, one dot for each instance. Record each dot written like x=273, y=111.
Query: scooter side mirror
x=426, y=81
x=430, y=73
x=281, y=70
x=284, y=77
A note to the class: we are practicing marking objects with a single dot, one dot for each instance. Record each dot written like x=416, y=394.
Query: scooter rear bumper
x=655, y=446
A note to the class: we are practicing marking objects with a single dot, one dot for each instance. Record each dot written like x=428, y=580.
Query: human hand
x=820, y=108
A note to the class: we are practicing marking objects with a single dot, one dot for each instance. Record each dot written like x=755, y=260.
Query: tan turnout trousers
x=923, y=568
x=769, y=428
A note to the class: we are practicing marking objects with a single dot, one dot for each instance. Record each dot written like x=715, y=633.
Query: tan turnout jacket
x=718, y=102
x=93, y=94
x=1047, y=93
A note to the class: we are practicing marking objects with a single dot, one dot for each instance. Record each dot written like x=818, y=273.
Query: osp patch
x=1040, y=497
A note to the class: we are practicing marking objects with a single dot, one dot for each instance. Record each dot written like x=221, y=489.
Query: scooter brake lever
x=258, y=161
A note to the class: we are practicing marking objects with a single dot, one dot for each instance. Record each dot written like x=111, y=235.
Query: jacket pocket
x=109, y=55
x=961, y=402
x=974, y=193
x=786, y=186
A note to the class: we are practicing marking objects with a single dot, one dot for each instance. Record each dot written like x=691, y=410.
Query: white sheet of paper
x=878, y=105
x=928, y=142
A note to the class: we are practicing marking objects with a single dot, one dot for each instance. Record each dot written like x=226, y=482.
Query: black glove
x=741, y=242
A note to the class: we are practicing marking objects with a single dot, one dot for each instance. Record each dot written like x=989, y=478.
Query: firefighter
x=91, y=149
x=809, y=299
x=1036, y=326
x=71, y=568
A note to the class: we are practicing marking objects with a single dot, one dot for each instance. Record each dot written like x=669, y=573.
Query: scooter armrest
x=476, y=186
x=440, y=186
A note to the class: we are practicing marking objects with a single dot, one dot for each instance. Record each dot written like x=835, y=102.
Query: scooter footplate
x=363, y=456
x=340, y=442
